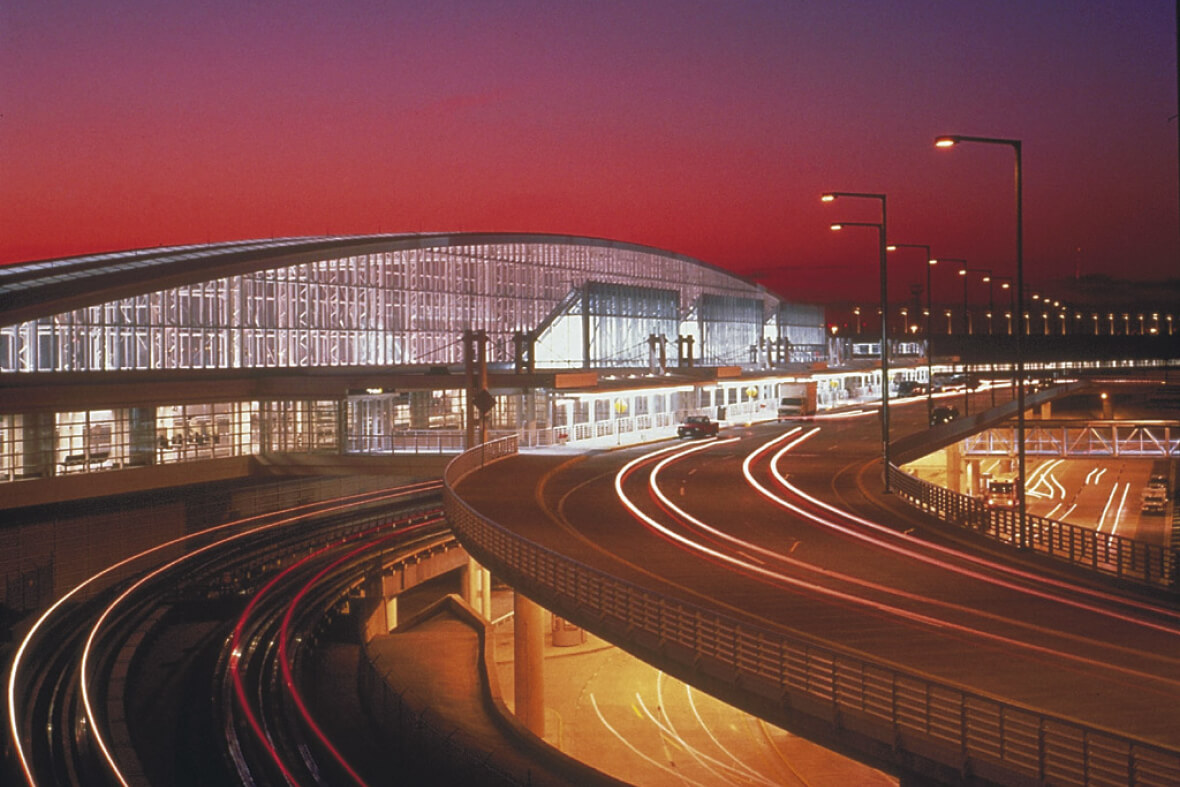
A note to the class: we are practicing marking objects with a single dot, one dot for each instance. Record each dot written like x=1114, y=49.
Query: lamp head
x=827, y=198
x=946, y=141
x=836, y=227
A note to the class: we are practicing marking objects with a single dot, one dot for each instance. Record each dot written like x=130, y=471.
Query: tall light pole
x=929, y=316
x=1015, y=144
x=966, y=272
x=1006, y=283
x=962, y=267
x=881, y=229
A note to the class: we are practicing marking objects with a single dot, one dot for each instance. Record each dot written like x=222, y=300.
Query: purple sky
x=705, y=128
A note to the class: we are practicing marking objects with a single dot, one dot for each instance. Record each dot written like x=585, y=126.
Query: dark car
x=943, y=415
x=697, y=426
x=910, y=388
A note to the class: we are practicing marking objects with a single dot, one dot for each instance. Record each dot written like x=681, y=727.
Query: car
x=697, y=426
x=910, y=388
x=943, y=415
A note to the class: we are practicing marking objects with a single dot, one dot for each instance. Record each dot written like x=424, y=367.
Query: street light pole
x=1015, y=144
x=966, y=272
x=929, y=317
x=881, y=229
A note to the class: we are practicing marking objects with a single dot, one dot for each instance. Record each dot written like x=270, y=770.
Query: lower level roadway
x=741, y=525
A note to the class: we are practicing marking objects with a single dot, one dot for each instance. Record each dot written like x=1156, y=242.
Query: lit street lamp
x=830, y=197
x=1006, y=284
x=965, y=273
x=1016, y=145
x=929, y=316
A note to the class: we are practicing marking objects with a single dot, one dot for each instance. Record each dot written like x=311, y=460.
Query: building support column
x=974, y=479
x=954, y=467
x=529, y=663
x=477, y=588
x=391, y=613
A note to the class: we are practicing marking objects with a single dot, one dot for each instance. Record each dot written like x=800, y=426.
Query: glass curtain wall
x=400, y=307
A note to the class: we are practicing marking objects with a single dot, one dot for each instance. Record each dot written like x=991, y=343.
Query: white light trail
x=1114, y=527
x=1035, y=580
x=1106, y=509
x=635, y=750
x=692, y=704
x=903, y=614
x=14, y=671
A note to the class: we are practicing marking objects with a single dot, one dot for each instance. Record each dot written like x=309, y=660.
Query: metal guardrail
x=1154, y=565
x=911, y=718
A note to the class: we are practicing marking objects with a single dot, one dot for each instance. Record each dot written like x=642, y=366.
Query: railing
x=1140, y=562
x=910, y=718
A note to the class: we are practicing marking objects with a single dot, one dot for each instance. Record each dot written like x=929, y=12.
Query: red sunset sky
x=705, y=128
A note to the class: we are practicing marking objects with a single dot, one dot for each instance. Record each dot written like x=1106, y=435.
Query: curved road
x=739, y=525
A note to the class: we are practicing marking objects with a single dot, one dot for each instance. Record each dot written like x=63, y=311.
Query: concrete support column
x=1046, y=410
x=974, y=482
x=391, y=613
x=485, y=592
x=477, y=588
x=954, y=467
x=529, y=664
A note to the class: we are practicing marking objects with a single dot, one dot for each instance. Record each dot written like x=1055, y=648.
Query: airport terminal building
x=355, y=345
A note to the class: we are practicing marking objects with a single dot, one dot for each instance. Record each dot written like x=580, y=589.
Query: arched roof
x=43, y=288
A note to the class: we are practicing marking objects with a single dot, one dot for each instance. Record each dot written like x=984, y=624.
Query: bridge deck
x=1036, y=652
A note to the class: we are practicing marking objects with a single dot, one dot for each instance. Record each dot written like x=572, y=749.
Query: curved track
x=82, y=706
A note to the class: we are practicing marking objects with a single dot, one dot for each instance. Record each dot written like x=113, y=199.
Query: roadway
x=1097, y=493
x=713, y=525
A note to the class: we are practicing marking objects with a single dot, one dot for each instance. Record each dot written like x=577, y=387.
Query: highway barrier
x=914, y=724
x=1139, y=562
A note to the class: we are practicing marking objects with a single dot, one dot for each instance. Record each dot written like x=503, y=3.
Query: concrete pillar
x=974, y=487
x=391, y=613
x=1046, y=410
x=477, y=588
x=485, y=592
x=954, y=467
x=528, y=667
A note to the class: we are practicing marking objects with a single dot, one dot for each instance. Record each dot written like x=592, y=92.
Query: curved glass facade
x=407, y=307
x=367, y=303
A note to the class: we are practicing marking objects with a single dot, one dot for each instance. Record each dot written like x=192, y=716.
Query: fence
x=915, y=722
x=1135, y=561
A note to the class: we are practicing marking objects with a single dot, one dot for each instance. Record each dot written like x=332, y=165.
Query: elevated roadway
x=740, y=529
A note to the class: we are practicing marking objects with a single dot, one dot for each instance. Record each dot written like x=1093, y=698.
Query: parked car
x=943, y=415
x=697, y=426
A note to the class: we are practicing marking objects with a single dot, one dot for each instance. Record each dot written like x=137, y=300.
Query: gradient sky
x=705, y=128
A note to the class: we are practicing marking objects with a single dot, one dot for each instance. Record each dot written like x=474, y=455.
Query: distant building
x=345, y=345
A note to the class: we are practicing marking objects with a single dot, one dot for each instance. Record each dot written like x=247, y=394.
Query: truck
x=796, y=399
x=1001, y=493
x=697, y=426
x=1154, y=501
